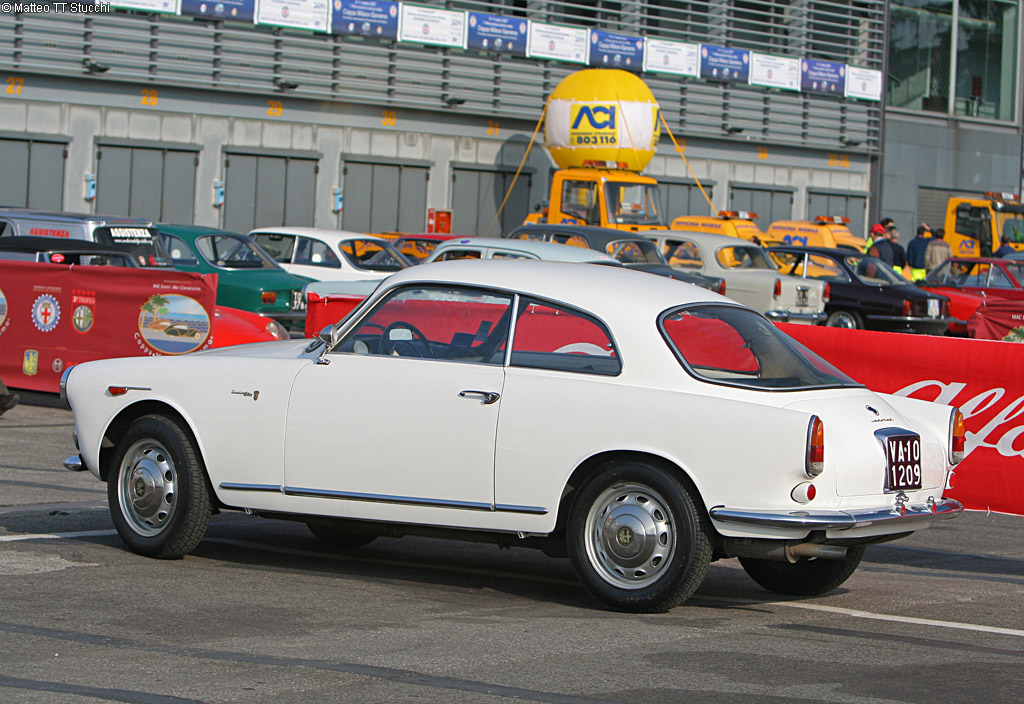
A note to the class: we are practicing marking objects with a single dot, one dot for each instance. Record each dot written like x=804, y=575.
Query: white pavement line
x=871, y=615
x=52, y=536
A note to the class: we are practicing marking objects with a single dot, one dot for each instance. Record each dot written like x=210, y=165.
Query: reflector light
x=906, y=308
x=269, y=297
x=777, y=291
x=815, y=447
x=117, y=390
x=958, y=437
x=803, y=492
x=721, y=287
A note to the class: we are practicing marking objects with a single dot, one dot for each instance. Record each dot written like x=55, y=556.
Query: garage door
x=769, y=204
x=33, y=173
x=384, y=197
x=268, y=191
x=477, y=195
x=146, y=182
x=678, y=199
x=850, y=205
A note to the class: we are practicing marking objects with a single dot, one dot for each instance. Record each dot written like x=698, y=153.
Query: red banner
x=52, y=316
x=981, y=377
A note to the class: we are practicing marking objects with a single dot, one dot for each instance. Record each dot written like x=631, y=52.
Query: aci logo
x=593, y=125
x=599, y=117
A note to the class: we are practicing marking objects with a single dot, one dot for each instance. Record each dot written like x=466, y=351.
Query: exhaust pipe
x=781, y=551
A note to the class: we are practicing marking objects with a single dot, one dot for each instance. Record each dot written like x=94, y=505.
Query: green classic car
x=248, y=278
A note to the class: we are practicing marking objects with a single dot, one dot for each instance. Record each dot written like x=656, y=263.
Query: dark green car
x=248, y=278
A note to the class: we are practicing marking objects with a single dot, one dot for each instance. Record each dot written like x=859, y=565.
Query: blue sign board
x=609, y=50
x=720, y=63
x=229, y=10
x=365, y=18
x=822, y=77
x=497, y=33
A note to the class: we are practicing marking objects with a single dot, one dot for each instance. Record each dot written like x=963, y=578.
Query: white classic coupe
x=642, y=426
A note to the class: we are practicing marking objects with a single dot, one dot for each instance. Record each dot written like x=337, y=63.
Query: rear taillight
x=957, y=437
x=721, y=287
x=778, y=288
x=269, y=297
x=815, y=447
x=826, y=295
x=906, y=309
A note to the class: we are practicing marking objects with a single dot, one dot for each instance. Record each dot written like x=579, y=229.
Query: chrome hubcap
x=843, y=320
x=630, y=536
x=147, y=490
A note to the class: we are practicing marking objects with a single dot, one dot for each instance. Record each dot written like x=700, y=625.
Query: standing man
x=938, y=250
x=1004, y=247
x=7, y=399
x=881, y=247
x=915, y=251
x=899, y=255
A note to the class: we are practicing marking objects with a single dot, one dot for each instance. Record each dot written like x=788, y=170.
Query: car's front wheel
x=637, y=539
x=157, y=490
x=806, y=576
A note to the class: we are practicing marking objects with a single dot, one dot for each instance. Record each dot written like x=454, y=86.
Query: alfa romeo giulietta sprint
x=639, y=425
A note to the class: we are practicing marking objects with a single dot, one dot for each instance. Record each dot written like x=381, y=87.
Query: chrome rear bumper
x=897, y=516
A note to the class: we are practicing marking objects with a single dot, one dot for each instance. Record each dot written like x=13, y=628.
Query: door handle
x=489, y=397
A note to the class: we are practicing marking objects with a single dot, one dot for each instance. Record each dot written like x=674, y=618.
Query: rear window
x=737, y=347
x=143, y=243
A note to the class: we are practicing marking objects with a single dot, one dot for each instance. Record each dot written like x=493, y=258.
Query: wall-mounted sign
x=365, y=18
x=671, y=57
x=863, y=83
x=775, y=71
x=721, y=63
x=229, y=10
x=298, y=14
x=559, y=43
x=170, y=6
x=429, y=25
x=497, y=33
x=609, y=50
x=826, y=77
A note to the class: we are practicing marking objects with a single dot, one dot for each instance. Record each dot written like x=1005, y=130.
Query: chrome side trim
x=898, y=516
x=236, y=486
x=409, y=500
x=910, y=319
x=785, y=315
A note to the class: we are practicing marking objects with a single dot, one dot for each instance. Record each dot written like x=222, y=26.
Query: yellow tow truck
x=975, y=226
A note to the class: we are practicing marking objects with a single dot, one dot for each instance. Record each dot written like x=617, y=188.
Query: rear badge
x=255, y=394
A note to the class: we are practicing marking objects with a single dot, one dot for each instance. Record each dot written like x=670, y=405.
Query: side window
x=435, y=322
x=972, y=221
x=998, y=278
x=683, y=253
x=280, y=247
x=6, y=228
x=824, y=268
x=505, y=254
x=1016, y=270
x=711, y=346
x=315, y=253
x=452, y=254
x=975, y=275
x=734, y=258
x=548, y=336
x=579, y=199
x=181, y=253
x=536, y=235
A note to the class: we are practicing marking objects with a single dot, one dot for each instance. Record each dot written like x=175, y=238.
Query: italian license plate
x=933, y=308
x=801, y=295
x=298, y=302
x=902, y=462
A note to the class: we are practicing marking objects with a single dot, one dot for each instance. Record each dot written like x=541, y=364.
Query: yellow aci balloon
x=602, y=117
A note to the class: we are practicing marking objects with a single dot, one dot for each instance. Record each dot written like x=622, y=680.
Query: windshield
x=872, y=270
x=1012, y=225
x=372, y=255
x=633, y=203
x=737, y=347
x=141, y=242
x=234, y=252
x=635, y=252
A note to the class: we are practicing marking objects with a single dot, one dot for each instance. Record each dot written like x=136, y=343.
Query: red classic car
x=969, y=281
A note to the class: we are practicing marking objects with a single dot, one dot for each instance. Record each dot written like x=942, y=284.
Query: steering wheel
x=409, y=349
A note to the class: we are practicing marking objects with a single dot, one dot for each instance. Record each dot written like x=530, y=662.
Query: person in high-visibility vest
x=877, y=232
x=916, y=250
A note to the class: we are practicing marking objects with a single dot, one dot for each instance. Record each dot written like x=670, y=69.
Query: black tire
x=805, y=577
x=337, y=537
x=156, y=489
x=845, y=318
x=637, y=539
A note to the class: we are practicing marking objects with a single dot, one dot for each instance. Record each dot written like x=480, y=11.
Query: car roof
x=58, y=216
x=35, y=243
x=834, y=251
x=984, y=260
x=321, y=233
x=599, y=236
x=710, y=239
x=193, y=230
x=543, y=250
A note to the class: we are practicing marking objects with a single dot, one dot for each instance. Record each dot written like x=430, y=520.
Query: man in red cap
x=877, y=232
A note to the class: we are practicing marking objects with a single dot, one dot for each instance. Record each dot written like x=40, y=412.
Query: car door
x=400, y=421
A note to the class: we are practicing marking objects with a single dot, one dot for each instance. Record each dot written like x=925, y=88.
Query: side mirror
x=329, y=335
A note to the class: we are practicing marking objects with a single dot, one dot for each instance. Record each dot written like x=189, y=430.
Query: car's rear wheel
x=156, y=489
x=845, y=319
x=336, y=536
x=806, y=576
x=636, y=538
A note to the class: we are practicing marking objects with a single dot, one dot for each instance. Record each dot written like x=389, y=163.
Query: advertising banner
x=558, y=43
x=365, y=18
x=774, y=71
x=228, y=10
x=54, y=315
x=671, y=57
x=981, y=377
x=297, y=14
x=497, y=33
x=863, y=83
x=428, y=25
x=720, y=63
x=609, y=50
x=826, y=77
x=169, y=6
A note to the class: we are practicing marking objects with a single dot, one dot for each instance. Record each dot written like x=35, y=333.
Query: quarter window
x=181, y=253
x=683, y=253
x=280, y=247
x=312, y=252
x=549, y=336
x=459, y=254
